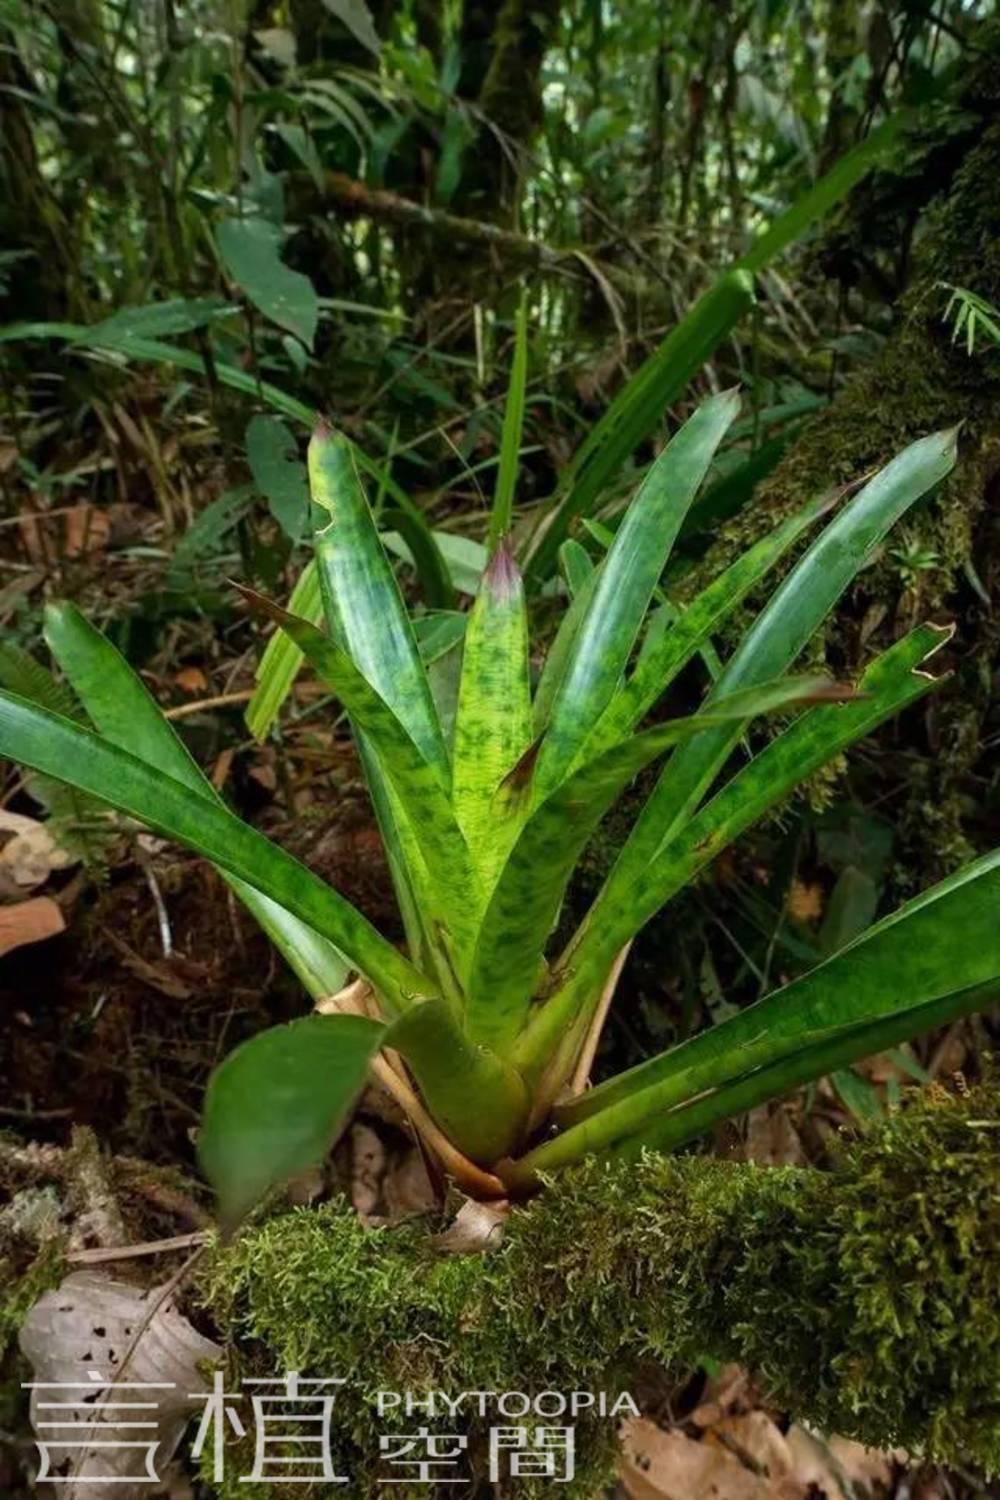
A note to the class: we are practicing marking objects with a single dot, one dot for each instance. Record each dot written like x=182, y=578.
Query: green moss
x=21, y=1286
x=869, y=1295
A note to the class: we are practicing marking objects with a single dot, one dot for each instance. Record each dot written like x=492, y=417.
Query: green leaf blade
x=493, y=726
x=892, y=681
x=781, y=630
x=251, y=251
x=276, y=1104
x=626, y=583
x=123, y=710
x=279, y=666
x=364, y=608
x=59, y=748
x=418, y=786
x=525, y=902
x=936, y=957
x=637, y=409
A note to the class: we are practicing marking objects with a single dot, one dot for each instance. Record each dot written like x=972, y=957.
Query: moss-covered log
x=868, y=1296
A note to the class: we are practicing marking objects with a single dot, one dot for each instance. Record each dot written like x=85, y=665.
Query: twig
x=146, y=1247
x=221, y=700
x=357, y=198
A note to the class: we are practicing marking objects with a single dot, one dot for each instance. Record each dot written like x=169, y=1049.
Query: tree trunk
x=943, y=560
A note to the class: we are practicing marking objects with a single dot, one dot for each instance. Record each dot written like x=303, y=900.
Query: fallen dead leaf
x=772, y=1139
x=191, y=680
x=659, y=1465
x=90, y=1333
x=87, y=529
x=72, y=533
x=29, y=921
x=727, y=1389
x=476, y=1227
x=805, y=902
x=368, y=1165
x=29, y=858
x=757, y=1443
x=837, y=1468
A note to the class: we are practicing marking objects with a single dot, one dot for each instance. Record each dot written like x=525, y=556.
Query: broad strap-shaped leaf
x=934, y=951
x=48, y=743
x=477, y=1098
x=525, y=903
x=828, y=1058
x=364, y=609
x=124, y=712
x=277, y=1103
x=418, y=786
x=493, y=725
x=560, y=652
x=674, y=637
x=280, y=663
x=891, y=681
x=625, y=585
x=639, y=407
x=779, y=633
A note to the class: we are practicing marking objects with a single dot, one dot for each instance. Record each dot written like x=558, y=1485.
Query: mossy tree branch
x=868, y=1296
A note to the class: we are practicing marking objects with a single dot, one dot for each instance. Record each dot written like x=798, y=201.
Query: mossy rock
x=867, y=1296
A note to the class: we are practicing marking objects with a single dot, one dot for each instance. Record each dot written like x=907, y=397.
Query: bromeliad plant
x=485, y=804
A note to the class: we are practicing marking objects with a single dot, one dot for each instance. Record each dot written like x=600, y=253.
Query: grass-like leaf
x=639, y=407
x=282, y=658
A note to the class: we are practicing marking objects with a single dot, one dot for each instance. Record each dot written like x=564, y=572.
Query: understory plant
x=486, y=796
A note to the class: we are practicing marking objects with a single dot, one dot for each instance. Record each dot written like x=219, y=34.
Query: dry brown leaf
x=772, y=1139
x=838, y=1468
x=29, y=921
x=476, y=1227
x=191, y=680
x=754, y=1437
x=659, y=1465
x=727, y=1389
x=407, y=1189
x=90, y=1331
x=805, y=902
x=71, y=533
x=29, y=858
x=87, y=529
